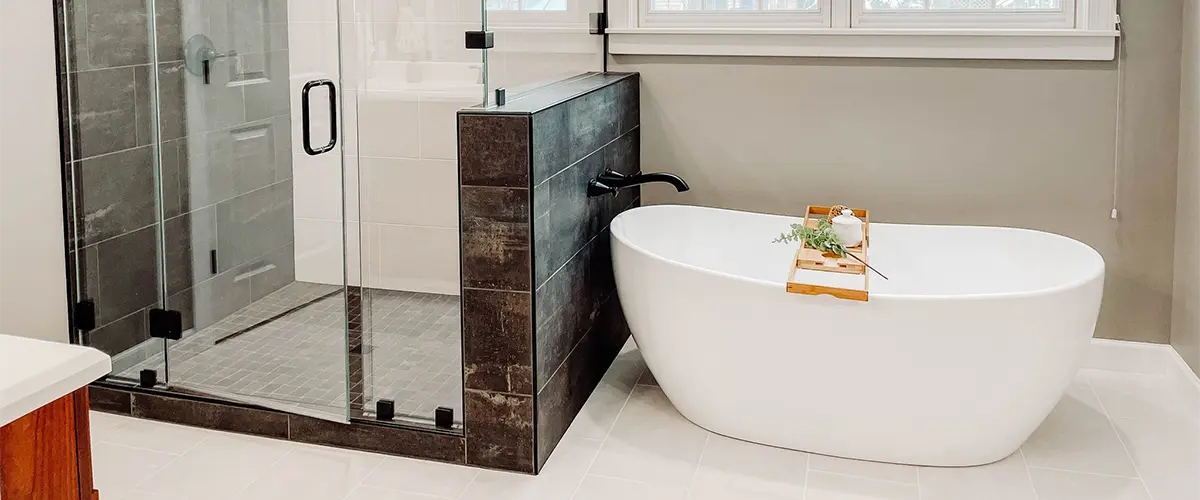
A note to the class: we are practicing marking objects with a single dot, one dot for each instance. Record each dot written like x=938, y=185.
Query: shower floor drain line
x=411, y=354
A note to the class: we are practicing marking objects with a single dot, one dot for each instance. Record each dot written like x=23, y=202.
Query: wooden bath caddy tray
x=811, y=259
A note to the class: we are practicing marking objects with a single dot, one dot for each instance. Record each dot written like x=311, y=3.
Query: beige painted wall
x=33, y=301
x=1026, y=144
x=1185, y=326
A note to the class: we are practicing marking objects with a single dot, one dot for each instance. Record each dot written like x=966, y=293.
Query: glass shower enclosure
x=262, y=195
x=221, y=243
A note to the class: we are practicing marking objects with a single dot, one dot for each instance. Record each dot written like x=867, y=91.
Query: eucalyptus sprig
x=822, y=238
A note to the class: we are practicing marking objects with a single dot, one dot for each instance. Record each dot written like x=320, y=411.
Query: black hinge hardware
x=85, y=315
x=385, y=409
x=148, y=378
x=212, y=260
x=501, y=96
x=166, y=324
x=597, y=23
x=480, y=40
x=443, y=417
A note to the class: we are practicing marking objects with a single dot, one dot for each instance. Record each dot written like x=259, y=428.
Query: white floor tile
x=372, y=493
x=1166, y=451
x=1132, y=395
x=607, y=488
x=157, y=436
x=604, y=405
x=220, y=466
x=105, y=425
x=736, y=469
x=117, y=470
x=906, y=474
x=645, y=450
x=826, y=486
x=1007, y=479
x=312, y=473
x=420, y=476
x=1066, y=485
x=558, y=480
x=651, y=442
x=1077, y=436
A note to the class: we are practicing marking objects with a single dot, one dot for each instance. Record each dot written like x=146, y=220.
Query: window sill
x=1051, y=44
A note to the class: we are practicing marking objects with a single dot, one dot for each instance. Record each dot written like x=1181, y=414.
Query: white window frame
x=575, y=15
x=820, y=18
x=1083, y=30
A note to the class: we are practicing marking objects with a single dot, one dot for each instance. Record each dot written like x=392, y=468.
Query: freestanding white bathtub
x=953, y=362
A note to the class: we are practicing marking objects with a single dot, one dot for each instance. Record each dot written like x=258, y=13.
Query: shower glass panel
x=407, y=74
x=256, y=98
x=540, y=42
x=111, y=186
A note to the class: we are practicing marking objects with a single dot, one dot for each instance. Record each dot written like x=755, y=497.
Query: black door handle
x=305, y=117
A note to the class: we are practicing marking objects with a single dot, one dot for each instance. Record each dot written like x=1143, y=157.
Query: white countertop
x=34, y=373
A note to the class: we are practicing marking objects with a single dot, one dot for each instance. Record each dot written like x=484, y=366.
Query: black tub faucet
x=609, y=181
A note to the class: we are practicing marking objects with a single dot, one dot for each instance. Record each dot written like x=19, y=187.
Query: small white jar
x=848, y=228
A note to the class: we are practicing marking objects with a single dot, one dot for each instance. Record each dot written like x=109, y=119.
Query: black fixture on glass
x=610, y=181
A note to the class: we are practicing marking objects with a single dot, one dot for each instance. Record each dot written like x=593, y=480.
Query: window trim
x=1091, y=38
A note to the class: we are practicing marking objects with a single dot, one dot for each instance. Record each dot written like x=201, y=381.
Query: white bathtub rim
x=618, y=234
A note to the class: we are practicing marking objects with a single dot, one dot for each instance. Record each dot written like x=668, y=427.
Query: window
x=535, y=5
x=983, y=29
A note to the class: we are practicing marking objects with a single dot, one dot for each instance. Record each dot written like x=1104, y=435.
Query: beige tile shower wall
x=1025, y=144
x=1185, y=324
x=404, y=73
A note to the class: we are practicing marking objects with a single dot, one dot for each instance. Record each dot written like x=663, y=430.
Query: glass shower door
x=409, y=72
x=254, y=248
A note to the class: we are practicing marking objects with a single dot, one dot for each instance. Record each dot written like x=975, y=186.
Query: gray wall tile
x=279, y=269
x=127, y=274
x=630, y=104
x=253, y=156
x=189, y=239
x=565, y=393
x=592, y=120
x=116, y=193
x=120, y=334
x=117, y=33
x=174, y=157
x=171, y=103
x=551, y=143
x=169, y=29
x=214, y=299
x=283, y=147
x=106, y=117
x=251, y=225
x=272, y=97
x=568, y=303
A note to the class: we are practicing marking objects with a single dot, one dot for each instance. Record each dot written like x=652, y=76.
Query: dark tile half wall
x=139, y=168
x=541, y=321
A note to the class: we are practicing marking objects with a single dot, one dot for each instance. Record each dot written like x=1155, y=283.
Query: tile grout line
x=918, y=481
x=1113, y=426
x=865, y=478
x=1086, y=473
x=807, y=467
x=699, y=462
x=607, y=434
x=364, y=478
x=1028, y=473
x=168, y=464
